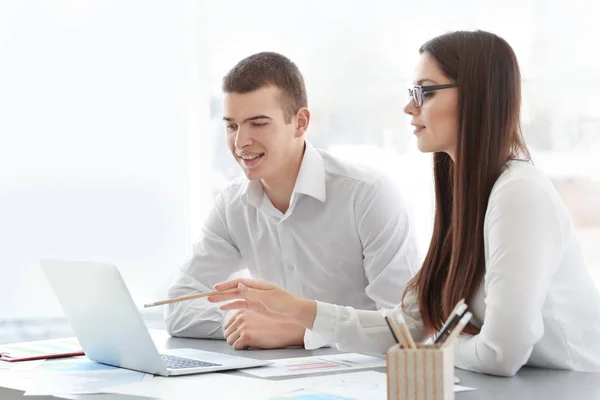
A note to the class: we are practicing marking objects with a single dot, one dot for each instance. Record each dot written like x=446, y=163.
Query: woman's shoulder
x=523, y=188
x=522, y=177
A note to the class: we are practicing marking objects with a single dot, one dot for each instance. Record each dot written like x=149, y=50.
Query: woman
x=502, y=239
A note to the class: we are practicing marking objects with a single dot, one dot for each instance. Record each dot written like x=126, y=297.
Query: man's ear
x=302, y=121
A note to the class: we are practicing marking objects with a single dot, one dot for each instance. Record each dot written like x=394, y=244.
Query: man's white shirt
x=346, y=239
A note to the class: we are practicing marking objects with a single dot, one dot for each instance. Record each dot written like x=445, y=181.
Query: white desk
x=530, y=383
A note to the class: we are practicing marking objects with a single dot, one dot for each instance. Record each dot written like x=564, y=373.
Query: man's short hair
x=269, y=69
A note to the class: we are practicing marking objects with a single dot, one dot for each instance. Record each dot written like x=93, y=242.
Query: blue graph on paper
x=73, y=365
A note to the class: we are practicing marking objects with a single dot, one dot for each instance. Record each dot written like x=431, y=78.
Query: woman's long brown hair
x=486, y=71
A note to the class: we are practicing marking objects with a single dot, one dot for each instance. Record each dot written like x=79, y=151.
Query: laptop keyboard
x=174, y=362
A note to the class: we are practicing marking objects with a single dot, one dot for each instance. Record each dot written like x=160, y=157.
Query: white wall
x=97, y=103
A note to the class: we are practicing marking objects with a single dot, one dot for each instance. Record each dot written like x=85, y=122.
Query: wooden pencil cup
x=425, y=373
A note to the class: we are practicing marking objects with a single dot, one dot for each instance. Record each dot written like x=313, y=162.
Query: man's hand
x=246, y=329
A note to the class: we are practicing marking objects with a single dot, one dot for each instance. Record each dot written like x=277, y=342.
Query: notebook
x=41, y=349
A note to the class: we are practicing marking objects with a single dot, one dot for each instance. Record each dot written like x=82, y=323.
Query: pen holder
x=425, y=373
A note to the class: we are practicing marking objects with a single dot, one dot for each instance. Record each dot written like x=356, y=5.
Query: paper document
x=79, y=375
x=18, y=375
x=360, y=385
x=308, y=365
x=206, y=386
x=17, y=379
x=366, y=385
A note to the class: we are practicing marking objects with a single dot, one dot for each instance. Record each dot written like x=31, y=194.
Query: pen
x=451, y=322
x=456, y=331
x=460, y=303
x=407, y=334
x=4, y=356
x=391, y=329
x=396, y=332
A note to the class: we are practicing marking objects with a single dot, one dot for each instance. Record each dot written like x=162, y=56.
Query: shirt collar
x=254, y=193
x=310, y=180
x=311, y=176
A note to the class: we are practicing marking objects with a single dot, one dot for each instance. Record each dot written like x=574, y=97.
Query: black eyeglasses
x=417, y=93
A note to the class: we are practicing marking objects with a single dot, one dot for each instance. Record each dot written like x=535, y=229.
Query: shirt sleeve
x=523, y=236
x=214, y=259
x=389, y=245
x=390, y=251
x=362, y=330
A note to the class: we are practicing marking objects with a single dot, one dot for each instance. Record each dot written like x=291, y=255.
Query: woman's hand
x=267, y=299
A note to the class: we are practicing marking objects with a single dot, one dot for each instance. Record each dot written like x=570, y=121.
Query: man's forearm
x=195, y=319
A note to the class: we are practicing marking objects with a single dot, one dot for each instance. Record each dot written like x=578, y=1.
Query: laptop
x=110, y=327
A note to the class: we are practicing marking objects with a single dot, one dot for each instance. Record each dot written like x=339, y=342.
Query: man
x=315, y=225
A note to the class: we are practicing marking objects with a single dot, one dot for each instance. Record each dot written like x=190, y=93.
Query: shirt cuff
x=325, y=327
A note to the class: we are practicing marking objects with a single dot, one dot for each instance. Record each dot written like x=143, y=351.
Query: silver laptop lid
x=103, y=315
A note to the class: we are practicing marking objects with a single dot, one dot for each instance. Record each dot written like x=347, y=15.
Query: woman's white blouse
x=537, y=304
